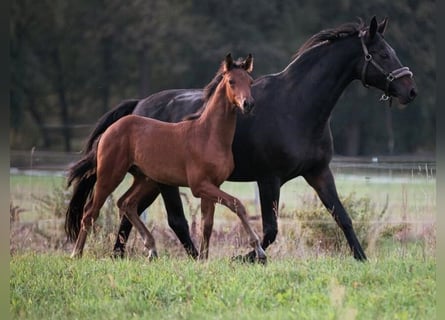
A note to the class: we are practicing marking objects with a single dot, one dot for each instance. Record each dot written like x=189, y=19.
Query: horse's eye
x=231, y=82
x=384, y=55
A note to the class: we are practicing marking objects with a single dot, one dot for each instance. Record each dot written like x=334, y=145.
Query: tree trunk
x=61, y=93
x=38, y=121
x=106, y=72
x=389, y=130
x=144, y=72
x=352, y=146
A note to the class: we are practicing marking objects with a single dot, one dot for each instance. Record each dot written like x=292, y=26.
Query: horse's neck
x=218, y=118
x=319, y=78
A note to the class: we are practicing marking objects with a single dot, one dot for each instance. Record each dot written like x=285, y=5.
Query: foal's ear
x=373, y=27
x=248, y=63
x=382, y=26
x=228, y=62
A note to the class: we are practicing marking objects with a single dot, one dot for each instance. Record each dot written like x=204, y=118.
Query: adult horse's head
x=381, y=68
x=237, y=80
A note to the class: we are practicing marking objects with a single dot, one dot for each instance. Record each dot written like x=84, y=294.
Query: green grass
x=392, y=286
x=398, y=282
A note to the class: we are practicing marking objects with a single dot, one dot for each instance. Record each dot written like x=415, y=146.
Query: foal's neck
x=219, y=117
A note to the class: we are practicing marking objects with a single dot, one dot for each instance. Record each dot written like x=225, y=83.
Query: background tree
x=74, y=60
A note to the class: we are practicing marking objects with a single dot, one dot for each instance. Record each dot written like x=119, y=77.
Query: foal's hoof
x=76, y=255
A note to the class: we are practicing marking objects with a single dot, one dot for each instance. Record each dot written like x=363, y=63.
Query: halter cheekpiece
x=390, y=76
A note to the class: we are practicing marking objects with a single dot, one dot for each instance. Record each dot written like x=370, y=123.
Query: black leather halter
x=390, y=76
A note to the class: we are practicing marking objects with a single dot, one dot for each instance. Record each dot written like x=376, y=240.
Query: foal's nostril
x=247, y=106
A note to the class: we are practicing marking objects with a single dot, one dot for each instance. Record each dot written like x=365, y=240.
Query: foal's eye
x=232, y=82
x=384, y=55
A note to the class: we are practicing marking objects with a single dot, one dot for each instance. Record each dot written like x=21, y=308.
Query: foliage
x=14, y=213
x=72, y=61
x=390, y=287
x=53, y=204
x=322, y=232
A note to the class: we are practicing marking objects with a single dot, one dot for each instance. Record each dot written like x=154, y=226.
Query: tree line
x=74, y=60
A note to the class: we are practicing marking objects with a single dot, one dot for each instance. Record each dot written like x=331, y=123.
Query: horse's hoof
x=117, y=254
x=248, y=258
x=152, y=255
x=360, y=256
x=262, y=260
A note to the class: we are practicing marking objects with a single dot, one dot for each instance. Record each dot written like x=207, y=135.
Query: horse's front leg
x=323, y=183
x=269, y=189
x=176, y=218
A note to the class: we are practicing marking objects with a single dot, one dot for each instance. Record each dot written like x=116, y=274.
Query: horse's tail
x=82, y=175
x=125, y=108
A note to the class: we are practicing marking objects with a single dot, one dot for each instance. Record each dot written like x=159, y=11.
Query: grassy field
x=299, y=281
x=51, y=286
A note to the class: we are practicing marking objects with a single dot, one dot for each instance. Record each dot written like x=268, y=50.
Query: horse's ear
x=248, y=63
x=373, y=27
x=382, y=26
x=228, y=62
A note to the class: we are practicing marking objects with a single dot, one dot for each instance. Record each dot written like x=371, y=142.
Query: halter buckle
x=368, y=57
x=384, y=97
x=390, y=77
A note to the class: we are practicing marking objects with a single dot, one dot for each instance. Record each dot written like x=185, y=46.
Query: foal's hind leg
x=214, y=194
x=91, y=212
x=144, y=199
x=128, y=204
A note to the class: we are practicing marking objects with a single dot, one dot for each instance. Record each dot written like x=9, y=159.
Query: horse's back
x=170, y=105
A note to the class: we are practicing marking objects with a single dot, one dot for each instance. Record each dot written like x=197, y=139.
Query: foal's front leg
x=207, y=214
x=214, y=194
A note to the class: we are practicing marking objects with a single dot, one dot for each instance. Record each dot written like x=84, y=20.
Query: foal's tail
x=82, y=175
x=125, y=108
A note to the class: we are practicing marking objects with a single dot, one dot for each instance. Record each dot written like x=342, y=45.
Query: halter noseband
x=390, y=76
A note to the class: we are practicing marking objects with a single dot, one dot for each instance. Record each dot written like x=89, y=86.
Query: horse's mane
x=329, y=35
x=210, y=88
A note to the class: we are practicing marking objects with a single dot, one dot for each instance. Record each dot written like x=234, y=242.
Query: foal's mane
x=330, y=35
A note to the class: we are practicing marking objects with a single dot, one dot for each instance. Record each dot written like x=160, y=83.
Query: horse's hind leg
x=128, y=204
x=214, y=194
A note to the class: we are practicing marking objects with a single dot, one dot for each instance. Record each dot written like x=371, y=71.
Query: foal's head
x=237, y=82
x=235, y=77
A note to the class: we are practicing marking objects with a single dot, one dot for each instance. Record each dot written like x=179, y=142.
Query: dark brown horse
x=195, y=153
x=295, y=139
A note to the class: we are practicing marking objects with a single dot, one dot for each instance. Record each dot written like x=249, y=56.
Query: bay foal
x=196, y=153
